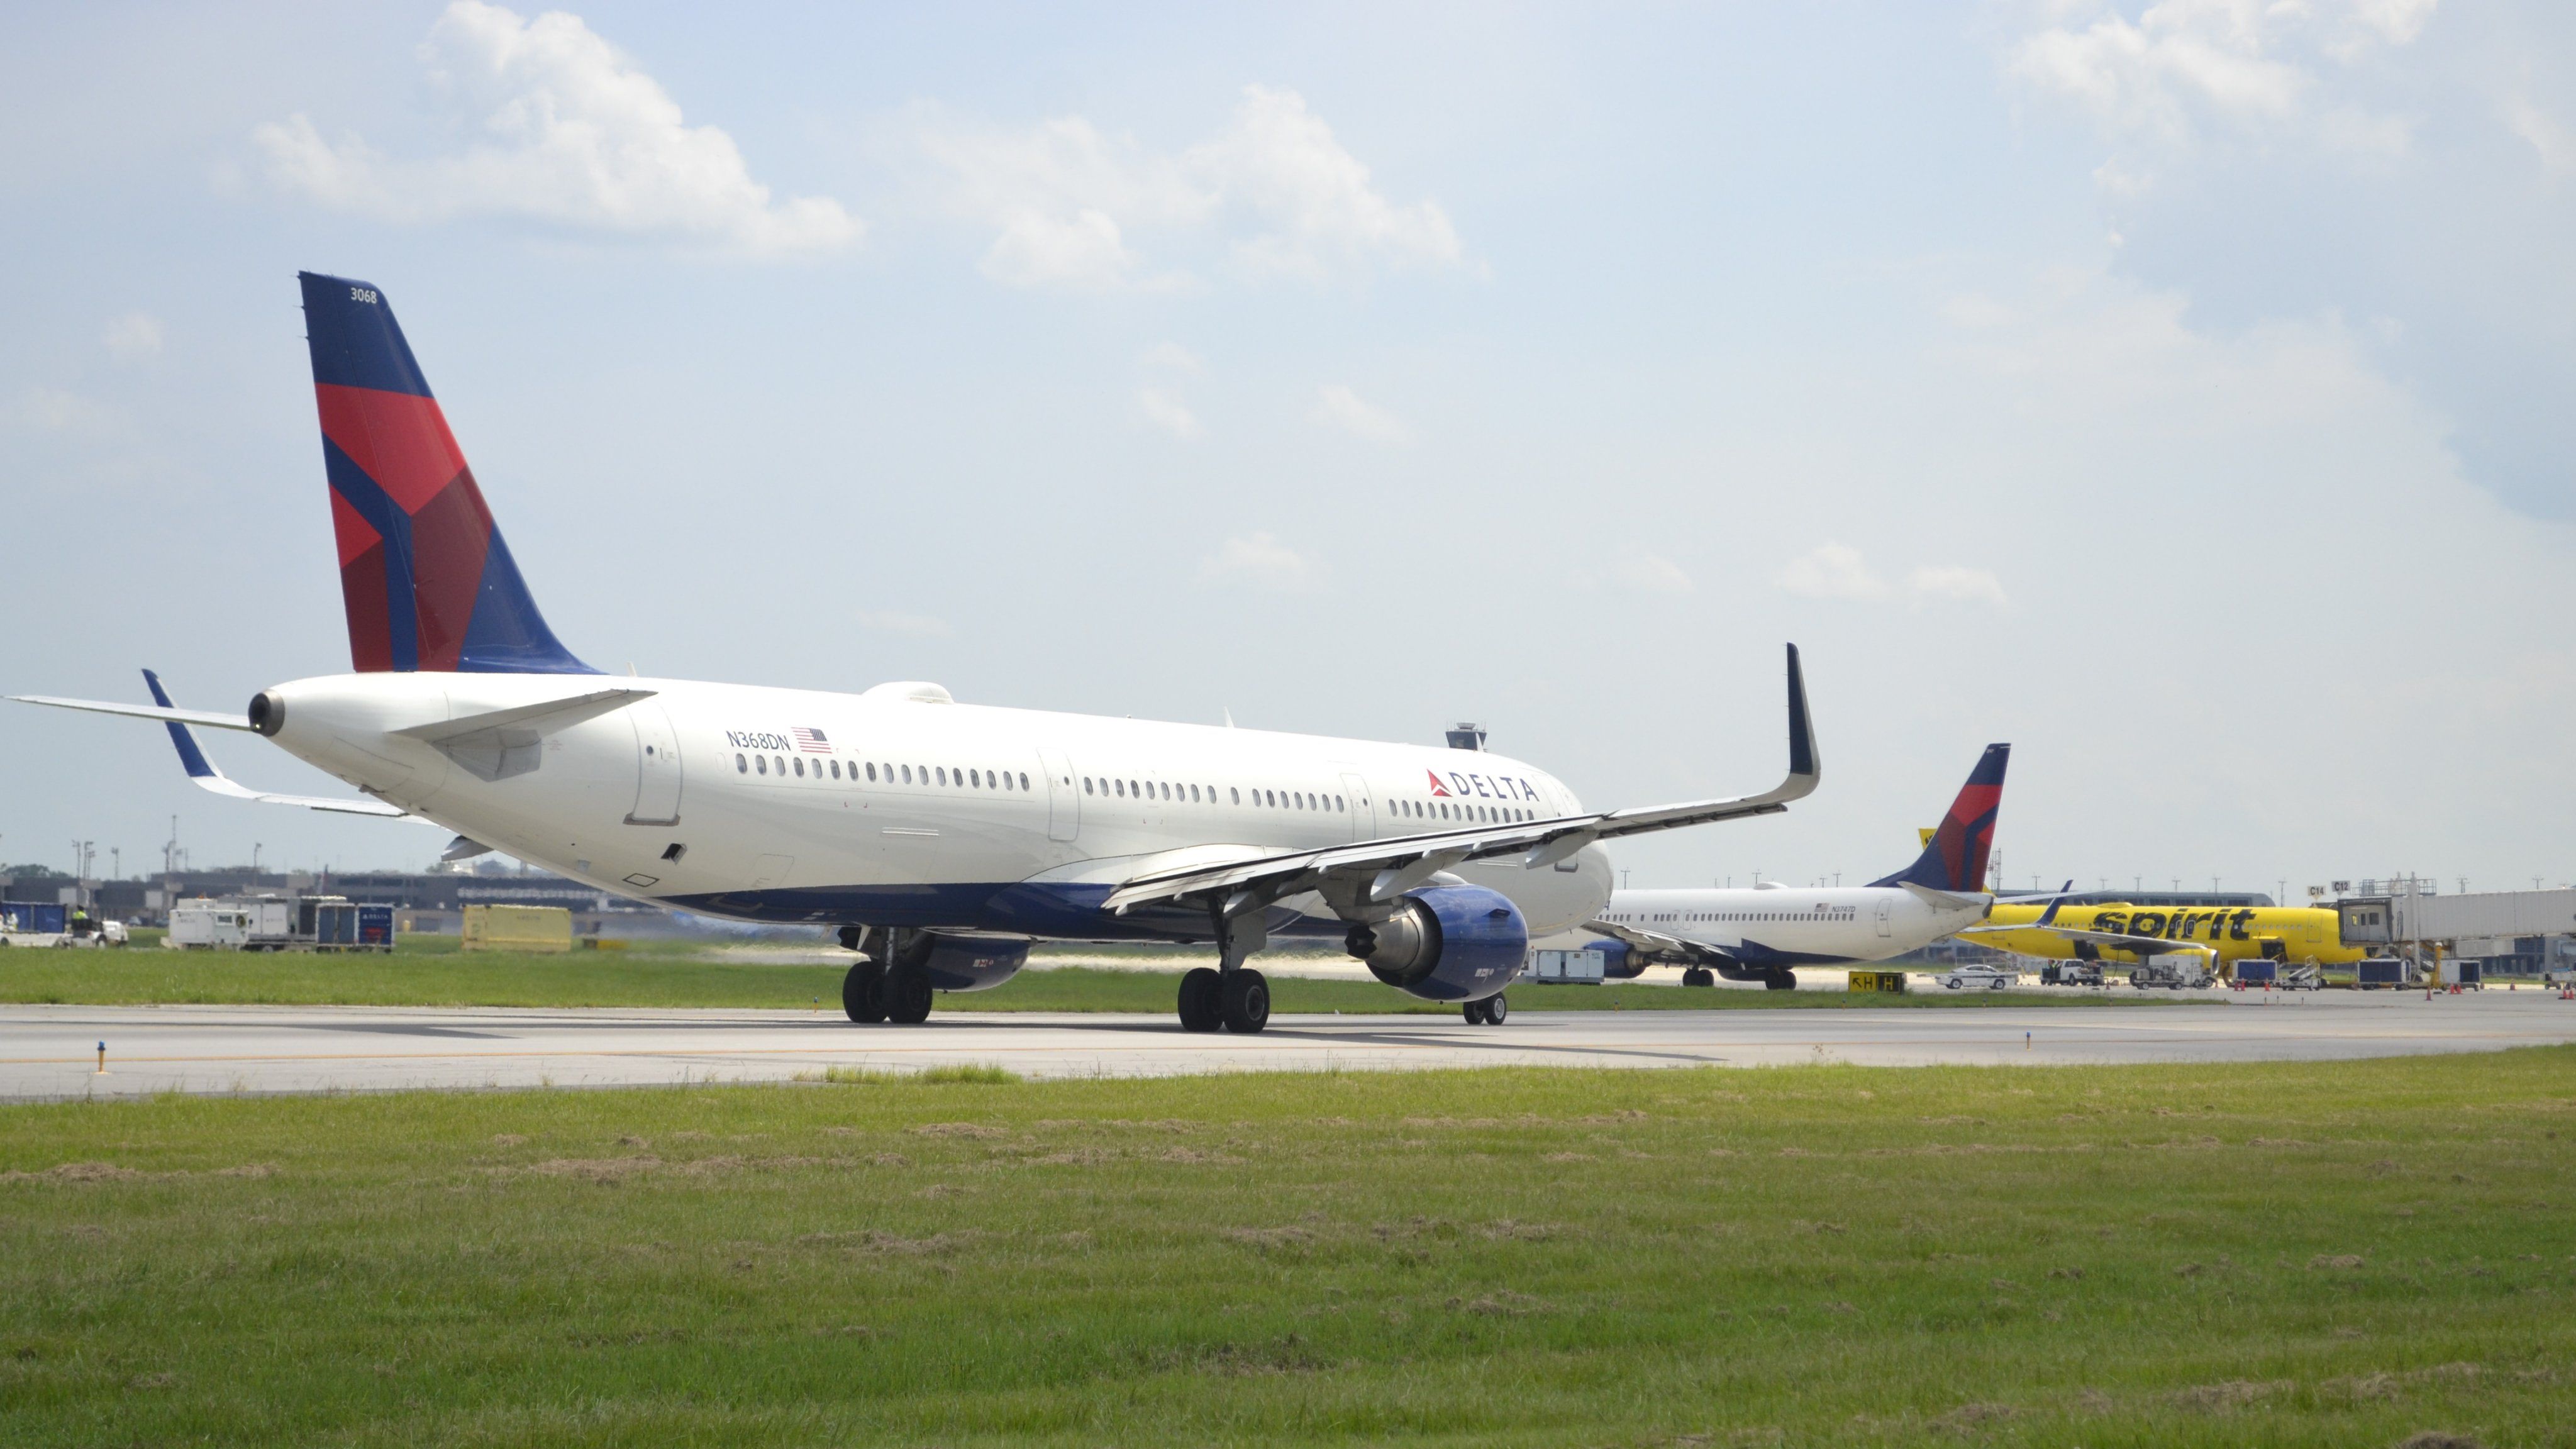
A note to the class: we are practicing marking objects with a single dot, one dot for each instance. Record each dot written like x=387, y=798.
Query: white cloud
x=1280, y=163
x=1953, y=583
x=1649, y=573
x=2240, y=62
x=133, y=337
x=572, y=134
x=1168, y=413
x=54, y=410
x=1338, y=407
x=1173, y=357
x=912, y=626
x=1838, y=571
x=1832, y=571
x=1274, y=186
x=1261, y=561
x=2554, y=144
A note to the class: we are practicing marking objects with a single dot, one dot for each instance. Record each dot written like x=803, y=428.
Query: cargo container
x=2379, y=972
x=519, y=928
x=347, y=926
x=34, y=918
x=1578, y=967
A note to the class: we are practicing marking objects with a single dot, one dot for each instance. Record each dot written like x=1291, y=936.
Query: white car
x=1991, y=978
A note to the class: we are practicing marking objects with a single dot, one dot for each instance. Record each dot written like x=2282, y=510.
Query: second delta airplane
x=1761, y=933
x=942, y=838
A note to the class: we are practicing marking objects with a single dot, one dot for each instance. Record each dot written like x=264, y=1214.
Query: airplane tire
x=1198, y=1000
x=863, y=992
x=1496, y=1008
x=1699, y=976
x=1780, y=978
x=907, y=995
x=1474, y=1011
x=1243, y=999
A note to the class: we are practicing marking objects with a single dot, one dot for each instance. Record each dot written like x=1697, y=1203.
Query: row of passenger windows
x=909, y=774
x=976, y=779
x=1189, y=794
x=1450, y=810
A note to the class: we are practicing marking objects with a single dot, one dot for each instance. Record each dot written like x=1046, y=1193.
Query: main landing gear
x=1780, y=978
x=1237, y=1000
x=1488, y=1012
x=874, y=991
x=1229, y=995
x=1699, y=976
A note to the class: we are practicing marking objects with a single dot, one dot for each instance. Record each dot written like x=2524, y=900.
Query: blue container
x=2258, y=972
x=41, y=918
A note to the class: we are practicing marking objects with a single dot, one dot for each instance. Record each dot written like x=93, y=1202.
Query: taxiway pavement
x=50, y=1052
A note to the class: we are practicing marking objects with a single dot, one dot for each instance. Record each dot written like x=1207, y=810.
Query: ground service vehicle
x=2173, y=973
x=1978, y=978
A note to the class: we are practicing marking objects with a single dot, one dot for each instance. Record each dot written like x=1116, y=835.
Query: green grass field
x=2326, y=1255
x=431, y=971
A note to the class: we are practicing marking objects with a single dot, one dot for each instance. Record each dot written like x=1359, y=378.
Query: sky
x=2177, y=391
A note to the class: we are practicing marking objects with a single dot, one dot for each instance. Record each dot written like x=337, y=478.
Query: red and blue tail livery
x=427, y=581
x=1955, y=858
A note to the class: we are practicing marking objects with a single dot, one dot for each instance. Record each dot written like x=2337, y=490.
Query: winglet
x=2049, y=917
x=191, y=759
x=1802, y=734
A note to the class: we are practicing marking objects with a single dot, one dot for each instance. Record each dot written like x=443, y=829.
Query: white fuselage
x=1788, y=926
x=897, y=807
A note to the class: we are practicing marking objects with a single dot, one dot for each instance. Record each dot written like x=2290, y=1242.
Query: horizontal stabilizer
x=209, y=718
x=1943, y=900
x=544, y=718
x=202, y=771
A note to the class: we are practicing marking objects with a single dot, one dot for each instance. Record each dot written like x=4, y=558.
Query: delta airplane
x=942, y=838
x=1761, y=933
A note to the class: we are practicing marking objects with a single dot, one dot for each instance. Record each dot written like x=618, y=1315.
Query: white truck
x=233, y=923
x=2174, y=972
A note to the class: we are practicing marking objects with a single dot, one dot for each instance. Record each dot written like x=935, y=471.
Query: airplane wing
x=203, y=771
x=1659, y=947
x=1373, y=872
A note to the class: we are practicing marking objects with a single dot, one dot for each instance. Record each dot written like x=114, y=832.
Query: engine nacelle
x=963, y=963
x=1446, y=943
x=1618, y=961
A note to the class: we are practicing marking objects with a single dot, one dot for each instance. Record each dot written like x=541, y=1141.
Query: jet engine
x=1618, y=962
x=1446, y=943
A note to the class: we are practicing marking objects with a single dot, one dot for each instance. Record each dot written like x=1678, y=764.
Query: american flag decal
x=810, y=741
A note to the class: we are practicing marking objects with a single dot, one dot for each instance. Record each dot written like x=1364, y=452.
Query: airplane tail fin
x=1954, y=859
x=426, y=579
